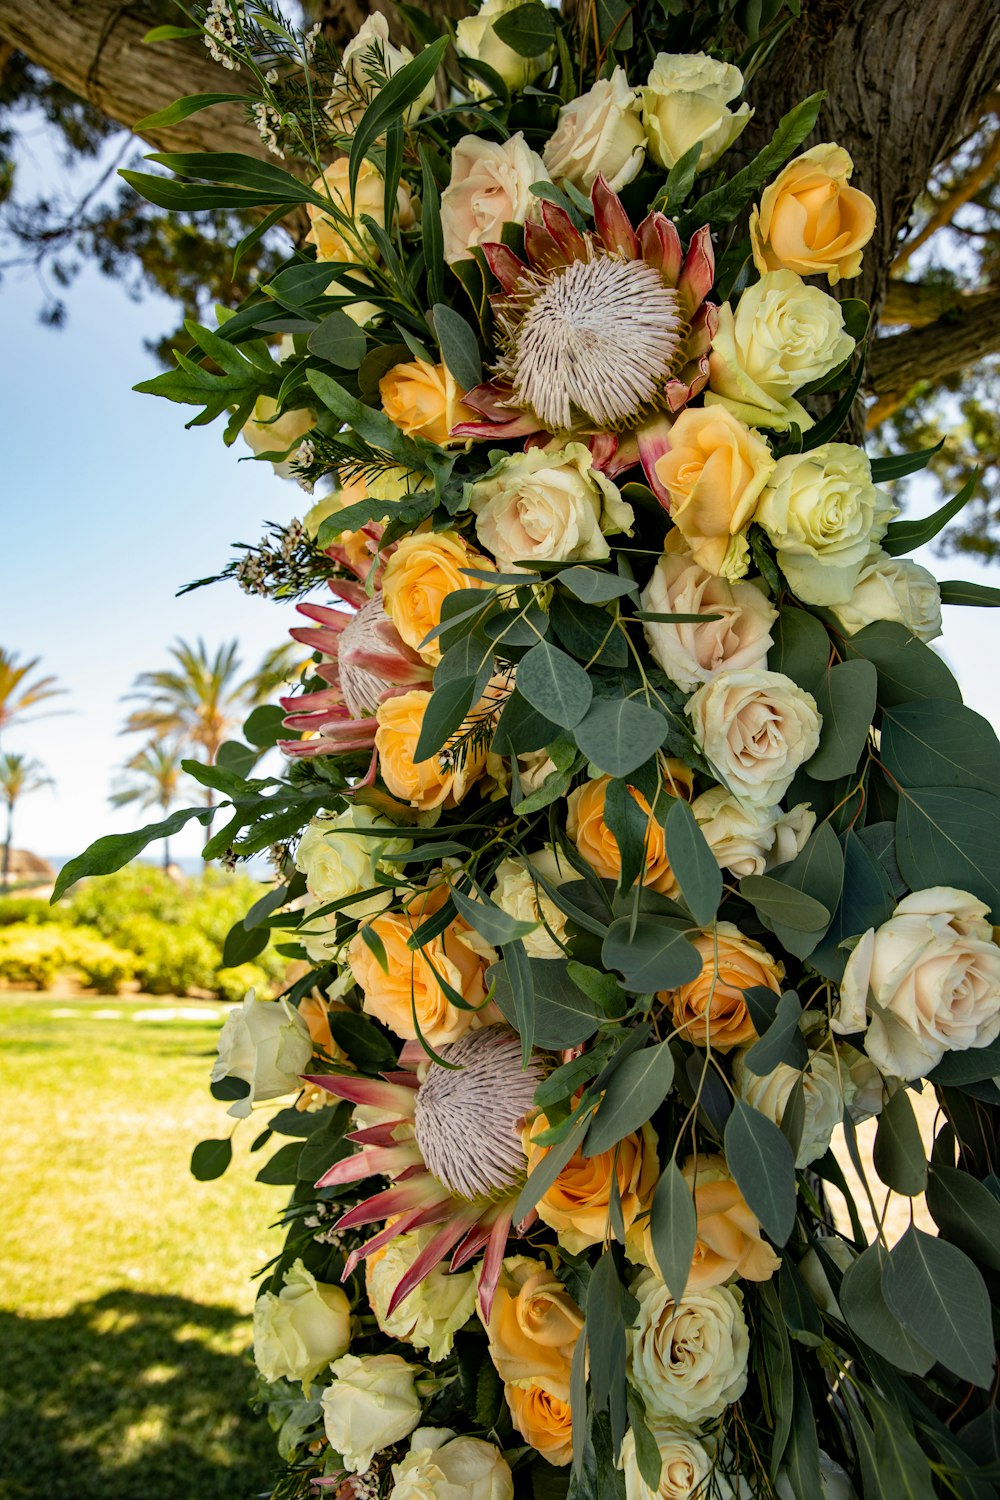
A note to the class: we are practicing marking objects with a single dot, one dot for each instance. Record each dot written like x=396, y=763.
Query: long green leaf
x=114, y=850
x=392, y=102
x=181, y=109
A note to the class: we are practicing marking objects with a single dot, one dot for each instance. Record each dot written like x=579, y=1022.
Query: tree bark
x=944, y=348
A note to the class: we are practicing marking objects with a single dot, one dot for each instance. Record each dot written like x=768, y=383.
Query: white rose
x=440, y=1466
x=685, y=103
x=894, y=588
x=783, y=335
x=547, y=506
x=826, y=519
x=267, y=1044
x=749, y=840
x=490, y=186
x=685, y=1465
x=321, y=937
x=372, y=1402
x=826, y=1090
x=434, y=1311
x=756, y=729
x=476, y=38
x=369, y=53
x=687, y=1359
x=301, y=1328
x=266, y=433
x=834, y=1482
x=925, y=983
x=337, y=865
x=534, y=768
x=869, y=1085
x=694, y=653
x=600, y=132
x=520, y=895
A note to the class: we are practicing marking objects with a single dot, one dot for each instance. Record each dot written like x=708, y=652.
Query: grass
x=125, y=1288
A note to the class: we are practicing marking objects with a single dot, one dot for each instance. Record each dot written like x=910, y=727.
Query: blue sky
x=109, y=506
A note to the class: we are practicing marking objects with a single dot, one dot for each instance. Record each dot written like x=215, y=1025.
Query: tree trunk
x=8, y=844
x=166, y=855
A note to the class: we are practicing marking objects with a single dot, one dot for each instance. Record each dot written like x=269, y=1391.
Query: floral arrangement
x=632, y=840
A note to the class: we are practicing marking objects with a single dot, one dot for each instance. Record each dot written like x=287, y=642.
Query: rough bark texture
x=945, y=347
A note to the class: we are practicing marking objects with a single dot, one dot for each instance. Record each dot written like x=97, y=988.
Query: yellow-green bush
x=33, y=954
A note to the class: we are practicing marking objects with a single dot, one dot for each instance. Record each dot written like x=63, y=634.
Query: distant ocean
x=258, y=867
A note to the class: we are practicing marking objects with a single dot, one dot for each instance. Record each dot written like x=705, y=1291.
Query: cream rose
x=548, y=506
x=301, y=1328
x=827, y=1089
x=601, y=132
x=369, y=52
x=267, y=1044
x=685, y=104
x=440, y=1466
x=476, y=38
x=782, y=335
x=266, y=432
x=894, y=588
x=518, y=893
x=925, y=983
x=826, y=519
x=490, y=186
x=746, y=839
x=714, y=471
x=434, y=1311
x=372, y=1403
x=687, y=1359
x=338, y=862
x=685, y=1466
x=756, y=729
x=810, y=221
x=696, y=652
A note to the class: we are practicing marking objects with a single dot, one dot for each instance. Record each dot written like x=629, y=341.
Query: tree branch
x=960, y=194
x=898, y=363
x=916, y=303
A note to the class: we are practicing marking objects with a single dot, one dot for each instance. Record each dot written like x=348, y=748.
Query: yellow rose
x=577, y=1205
x=335, y=230
x=410, y=985
x=686, y=103
x=424, y=401
x=810, y=221
x=265, y=432
x=715, y=470
x=585, y=825
x=429, y=783
x=357, y=546
x=533, y=1327
x=711, y=1009
x=729, y=1241
x=543, y=1420
x=422, y=571
x=476, y=38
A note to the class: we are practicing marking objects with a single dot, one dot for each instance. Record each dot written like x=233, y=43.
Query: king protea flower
x=451, y=1147
x=602, y=334
x=367, y=662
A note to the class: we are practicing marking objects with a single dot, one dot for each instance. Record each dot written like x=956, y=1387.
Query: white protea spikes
x=467, y=1118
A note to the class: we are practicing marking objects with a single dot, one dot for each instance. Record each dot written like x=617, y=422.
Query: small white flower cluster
x=268, y=120
x=310, y=39
x=221, y=32
x=250, y=575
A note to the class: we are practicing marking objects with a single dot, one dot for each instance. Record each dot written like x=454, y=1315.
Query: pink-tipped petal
x=660, y=245
x=626, y=456
x=489, y=1276
x=412, y=1220
x=326, y=614
x=542, y=249
x=697, y=272
x=377, y=1161
x=653, y=438
x=613, y=225
x=377, y=1093
x=603, y=448
x=432, y=1254
x=565, y=233
x=507, y=267
x=702, y=331
x=419, y=1192
x=376, y=1135
x=470, y=1246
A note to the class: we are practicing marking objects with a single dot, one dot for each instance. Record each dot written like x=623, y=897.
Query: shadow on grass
x=130, y=1397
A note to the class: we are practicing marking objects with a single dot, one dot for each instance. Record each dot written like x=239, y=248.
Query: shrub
x=232, y=984
x=28, y=909
x=101, y=965
x=169, y=960
x=34, y=955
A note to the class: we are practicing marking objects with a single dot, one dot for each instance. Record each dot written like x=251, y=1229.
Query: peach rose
x=543, y=1420
x=809, y=221
x=729, y=1241
x=533, y=1327
x=577, y=1205
x=424, y=401
x=755, y=729
x=422, y=571
x=490, y=186
x=693, y=653
x=411, y=983
x=335, y=230
x=586, y=827
x=430, y=783
x=714, y=471
x=711, y=1009
x=357, y=547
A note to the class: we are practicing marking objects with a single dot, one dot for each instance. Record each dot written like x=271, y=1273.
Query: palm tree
x=151, y=778
x=19, y=777
x=18, y=693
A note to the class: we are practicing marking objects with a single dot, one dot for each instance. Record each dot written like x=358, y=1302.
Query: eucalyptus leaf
x=950, y=836
x=899, y=1155
x=673, y=1228
x=459, y=345
x=635, y=1091
x=867, y=1314
x=762, y=1162
x=620, y=734
x=692, y=862
x=845, y=697
x=564, y=1015
x=655, y=956
x=938, y=1295
x=555, y=684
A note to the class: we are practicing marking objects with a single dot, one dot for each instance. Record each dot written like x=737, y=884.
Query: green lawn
x=124, y=1284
